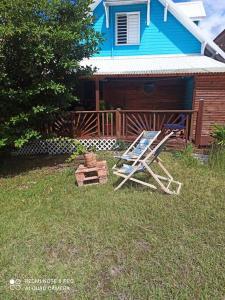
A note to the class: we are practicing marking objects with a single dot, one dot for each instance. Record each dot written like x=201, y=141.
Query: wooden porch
x=122, y=105
x=125, y=124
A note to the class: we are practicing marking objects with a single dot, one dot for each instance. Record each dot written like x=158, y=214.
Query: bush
x=121, y=145
x=219, y=135
x=217, y=153
x=41, y=45
x=186, y=156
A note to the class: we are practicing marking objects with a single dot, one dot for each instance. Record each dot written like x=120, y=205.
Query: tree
x=42, y=43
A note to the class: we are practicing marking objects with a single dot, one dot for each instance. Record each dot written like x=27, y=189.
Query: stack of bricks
x=94, y=175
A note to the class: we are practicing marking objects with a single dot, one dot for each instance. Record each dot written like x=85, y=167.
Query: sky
x=214, y=23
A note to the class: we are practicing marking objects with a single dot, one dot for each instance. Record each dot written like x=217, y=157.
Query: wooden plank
x=212, y=89
x=118, y=123
x=97, y=95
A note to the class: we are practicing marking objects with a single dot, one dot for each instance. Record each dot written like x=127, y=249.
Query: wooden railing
x=133, y=122
x=124, y=124
x=86, y=124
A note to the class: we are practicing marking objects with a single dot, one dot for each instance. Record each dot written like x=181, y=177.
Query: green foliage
x=217, y=158
x=26, y=137
x=3, y=143
x=217, y=152
x=186, y=156
x=80, y=150
x=121, y=145
x=219, y=134
x=42, y=43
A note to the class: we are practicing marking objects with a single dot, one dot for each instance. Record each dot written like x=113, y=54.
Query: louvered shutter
x=133, y=36
x=128, y=29
x=121, y=29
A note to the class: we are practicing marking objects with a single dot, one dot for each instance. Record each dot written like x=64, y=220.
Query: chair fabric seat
x=127, y=169
x=146, y=140
x=174, y=126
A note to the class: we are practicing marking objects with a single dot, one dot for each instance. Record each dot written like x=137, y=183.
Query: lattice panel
x=53, y=147
x=34, y=148
x=104, y=144
x=59, y=147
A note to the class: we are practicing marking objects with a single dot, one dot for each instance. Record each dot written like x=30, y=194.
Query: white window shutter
x=133, y=28
x=128, y=29
x=121, y=29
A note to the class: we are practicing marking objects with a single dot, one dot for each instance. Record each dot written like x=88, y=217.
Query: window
x=128, y=28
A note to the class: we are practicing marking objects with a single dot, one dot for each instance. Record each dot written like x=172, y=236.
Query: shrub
x=186, y=156
x=41, y=46
x=219, y=135
x=217, y=152
x=121, y=145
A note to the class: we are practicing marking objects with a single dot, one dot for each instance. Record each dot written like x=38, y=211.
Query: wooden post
x=97, y=95
x=199, y=123
x=118, y=123
x=191, y=127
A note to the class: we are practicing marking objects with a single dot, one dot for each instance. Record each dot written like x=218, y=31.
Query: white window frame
x=139, y=27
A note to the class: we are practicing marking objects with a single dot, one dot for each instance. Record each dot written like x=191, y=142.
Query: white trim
x=139, y=27
x=203, y=48
x=165, y=13
x=95, y=4
x=143, y=56
x=125, y=2
x=148, y=12
x=106, y=7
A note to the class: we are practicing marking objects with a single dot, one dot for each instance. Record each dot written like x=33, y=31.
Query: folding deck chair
x=144, y=162
x=139, y=147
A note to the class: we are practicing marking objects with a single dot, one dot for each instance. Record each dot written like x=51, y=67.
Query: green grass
x=130, y=244
x=217, y=158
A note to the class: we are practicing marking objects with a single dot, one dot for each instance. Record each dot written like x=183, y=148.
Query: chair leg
x=127, y=177
x=159, y=179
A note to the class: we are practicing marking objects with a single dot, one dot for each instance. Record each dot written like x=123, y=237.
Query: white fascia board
x=124, y=2
x=190, y=25
x=117, y=2
x=95, y=4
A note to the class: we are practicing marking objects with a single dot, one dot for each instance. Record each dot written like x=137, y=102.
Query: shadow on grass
x=137, y=186
x=17, y=165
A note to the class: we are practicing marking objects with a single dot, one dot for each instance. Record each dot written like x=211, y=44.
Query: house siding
x=169, y=37
x=131, y=95
x=211, y=89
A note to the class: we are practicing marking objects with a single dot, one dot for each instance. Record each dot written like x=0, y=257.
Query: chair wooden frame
x=145, y=162
x=132, y=146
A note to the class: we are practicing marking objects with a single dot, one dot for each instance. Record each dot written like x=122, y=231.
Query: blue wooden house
x=150, y=71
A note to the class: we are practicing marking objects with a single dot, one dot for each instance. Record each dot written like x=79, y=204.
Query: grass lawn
x=131, y=244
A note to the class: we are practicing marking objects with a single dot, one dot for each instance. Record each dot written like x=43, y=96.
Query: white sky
x=214, y=23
